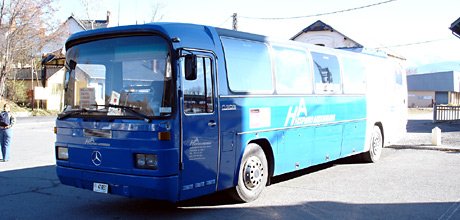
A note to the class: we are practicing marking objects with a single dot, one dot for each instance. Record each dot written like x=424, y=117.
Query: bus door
x=397, y=96
x=199, y=118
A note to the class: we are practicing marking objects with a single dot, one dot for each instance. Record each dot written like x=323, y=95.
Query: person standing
x=7, y=120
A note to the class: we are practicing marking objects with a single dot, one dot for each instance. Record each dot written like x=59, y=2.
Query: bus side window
x=327, y=73
x=198, y=93
x=398, y=76
x=249, y=68
x=292, y=71
x=354, y=77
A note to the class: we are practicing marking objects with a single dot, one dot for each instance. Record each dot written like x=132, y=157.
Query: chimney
x=108, y=17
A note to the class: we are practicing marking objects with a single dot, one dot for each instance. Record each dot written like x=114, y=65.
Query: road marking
x=423, y=147
x=451, y=211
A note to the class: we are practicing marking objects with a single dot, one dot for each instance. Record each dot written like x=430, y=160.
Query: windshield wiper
x=133, y=110
x=74, y=113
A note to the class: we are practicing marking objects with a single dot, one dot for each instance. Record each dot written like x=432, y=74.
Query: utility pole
x=32, y=84
x=235, y=21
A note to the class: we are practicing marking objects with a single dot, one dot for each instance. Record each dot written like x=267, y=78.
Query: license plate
x=100, y=187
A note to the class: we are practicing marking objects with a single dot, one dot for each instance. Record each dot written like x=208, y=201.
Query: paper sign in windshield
x=114, y=100
x=87, y=97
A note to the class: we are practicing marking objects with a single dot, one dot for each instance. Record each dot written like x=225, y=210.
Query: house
x=53, y=61
x=455, y=27
x=71, y=26
x=322, y=34
x=442, y=88
x=31, y=79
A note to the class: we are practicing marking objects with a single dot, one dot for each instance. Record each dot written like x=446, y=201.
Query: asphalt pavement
x=419, y=133
x=407, y=183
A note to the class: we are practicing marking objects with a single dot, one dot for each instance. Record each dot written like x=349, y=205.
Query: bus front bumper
x=158, y=188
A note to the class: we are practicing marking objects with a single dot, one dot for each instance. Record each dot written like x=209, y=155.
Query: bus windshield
x=123, y=76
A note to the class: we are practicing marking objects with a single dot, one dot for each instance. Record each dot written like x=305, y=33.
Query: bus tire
x=252, y=175
x=376, y=146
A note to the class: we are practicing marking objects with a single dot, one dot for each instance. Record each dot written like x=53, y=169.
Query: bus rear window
x=327, y=73
x=248, y=66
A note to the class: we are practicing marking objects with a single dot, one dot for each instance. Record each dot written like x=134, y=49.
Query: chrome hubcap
x=253, y=172
x=376, y=145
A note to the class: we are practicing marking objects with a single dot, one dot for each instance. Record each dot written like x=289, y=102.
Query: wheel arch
x=380, y=125
x=268, y=151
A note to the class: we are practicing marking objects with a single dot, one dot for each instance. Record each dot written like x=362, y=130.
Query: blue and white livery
x=175, y=111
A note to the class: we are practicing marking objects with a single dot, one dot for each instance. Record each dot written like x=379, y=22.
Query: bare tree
x=156, y=15
x=23, y=27
x=91, y=8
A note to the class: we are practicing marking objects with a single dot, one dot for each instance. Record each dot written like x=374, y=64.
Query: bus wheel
x=376, y=145
x=253, y=174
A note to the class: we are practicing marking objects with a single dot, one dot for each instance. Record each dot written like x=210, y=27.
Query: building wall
x=439, y=81
x=443, y=87
x=422, y=99
x=55, y=89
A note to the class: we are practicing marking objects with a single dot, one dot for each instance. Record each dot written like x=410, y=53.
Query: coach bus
x=173, y=111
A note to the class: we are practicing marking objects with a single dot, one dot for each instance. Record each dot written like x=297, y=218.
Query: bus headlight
x=62, y=153
x=146, y=161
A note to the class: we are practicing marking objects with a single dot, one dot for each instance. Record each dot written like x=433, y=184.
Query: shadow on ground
x=37, y=192
x=425, y=126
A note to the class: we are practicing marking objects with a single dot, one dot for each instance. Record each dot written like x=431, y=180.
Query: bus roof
x=167, y=30
x=200, y=36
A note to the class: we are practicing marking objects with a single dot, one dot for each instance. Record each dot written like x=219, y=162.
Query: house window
x=56, y=89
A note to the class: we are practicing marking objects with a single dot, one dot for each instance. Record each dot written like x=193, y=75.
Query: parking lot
x=413, y=180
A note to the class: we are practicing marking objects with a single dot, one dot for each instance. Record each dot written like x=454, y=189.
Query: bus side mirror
x=72, y=64
x=190, y=67
x=69, y=68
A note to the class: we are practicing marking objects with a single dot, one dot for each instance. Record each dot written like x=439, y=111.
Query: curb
x=34, y=123
x=22, y=114
x=425, y=147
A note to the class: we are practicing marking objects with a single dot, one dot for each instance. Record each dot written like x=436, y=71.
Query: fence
x=445, y=113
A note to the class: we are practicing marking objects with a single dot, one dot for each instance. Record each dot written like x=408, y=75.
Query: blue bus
x=173, y=111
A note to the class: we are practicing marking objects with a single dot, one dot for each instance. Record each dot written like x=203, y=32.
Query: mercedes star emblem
x=96, y=157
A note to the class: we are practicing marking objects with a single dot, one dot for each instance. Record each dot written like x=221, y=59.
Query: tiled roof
x=93, y=24
x=25, y=73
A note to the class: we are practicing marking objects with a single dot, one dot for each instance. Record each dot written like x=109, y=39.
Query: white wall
x=328, y=38
x=55, y=89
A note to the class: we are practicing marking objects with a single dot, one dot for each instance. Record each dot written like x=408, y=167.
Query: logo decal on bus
x=196, y=142
x=96, y=158
x=298, y=115
x=92, y=141
x=228, y=107
x=198, y=148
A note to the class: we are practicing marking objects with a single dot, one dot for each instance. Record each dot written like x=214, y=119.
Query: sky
x=414, y=29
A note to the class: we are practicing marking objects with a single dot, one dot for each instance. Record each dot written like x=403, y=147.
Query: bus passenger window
x=198, y=94
x=248, y=60
x=292, y=71
x=354, y=75
x=327, y=73
x=398, y=76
